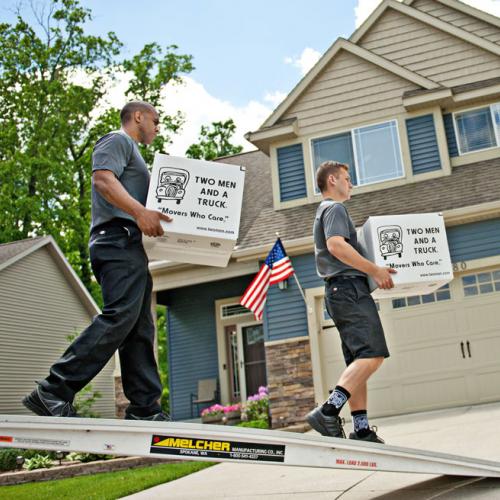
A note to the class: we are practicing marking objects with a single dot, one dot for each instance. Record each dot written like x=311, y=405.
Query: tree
x=214, y=142
x=50, y=121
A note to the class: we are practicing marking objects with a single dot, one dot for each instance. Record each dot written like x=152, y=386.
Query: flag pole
x=301, y=290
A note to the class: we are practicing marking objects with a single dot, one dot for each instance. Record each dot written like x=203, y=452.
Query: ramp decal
x=204, y=448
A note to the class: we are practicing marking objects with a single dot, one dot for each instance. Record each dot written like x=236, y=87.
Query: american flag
x=277, y=267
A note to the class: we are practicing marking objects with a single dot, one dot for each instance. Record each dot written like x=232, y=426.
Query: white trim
x=314, y=331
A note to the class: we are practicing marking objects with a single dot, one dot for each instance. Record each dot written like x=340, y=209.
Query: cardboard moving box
x=204, y=199
x=415, y=245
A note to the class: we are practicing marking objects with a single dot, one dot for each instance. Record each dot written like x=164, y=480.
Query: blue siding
x=450, y=135
x=475, y=240
x=192, y=338
x=424, y=148
x=291, y=173
x=286, y=316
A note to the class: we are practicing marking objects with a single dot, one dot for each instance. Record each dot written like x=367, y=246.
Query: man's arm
x=108, y=186
x=339, y=248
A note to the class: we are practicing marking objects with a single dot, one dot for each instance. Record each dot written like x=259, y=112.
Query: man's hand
x=149, y=222
x=382, y=277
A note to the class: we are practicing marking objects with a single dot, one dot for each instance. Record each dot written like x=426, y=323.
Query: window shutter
x=450, y=135
x=291, y=173
x=424, y=150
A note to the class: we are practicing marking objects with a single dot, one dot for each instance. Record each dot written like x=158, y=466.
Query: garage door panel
x=422, y=325
x=488, y=385
x=434, y=393
x=482, y=316
x=484, y=350
x=424, y=360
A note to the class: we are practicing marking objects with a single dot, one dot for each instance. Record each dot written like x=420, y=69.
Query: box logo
x=390, y=240
x=172, y=183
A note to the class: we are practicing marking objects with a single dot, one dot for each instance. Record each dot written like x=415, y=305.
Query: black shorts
x=352, y=308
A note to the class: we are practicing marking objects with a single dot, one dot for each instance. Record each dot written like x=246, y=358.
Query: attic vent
x=232, y=310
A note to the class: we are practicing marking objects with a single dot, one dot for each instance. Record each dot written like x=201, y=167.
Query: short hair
x=131, y=107
x=326, y=169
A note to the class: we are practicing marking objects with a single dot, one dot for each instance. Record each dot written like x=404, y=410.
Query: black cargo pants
x=121, y=267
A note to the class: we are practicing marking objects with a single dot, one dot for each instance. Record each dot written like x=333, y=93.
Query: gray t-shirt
x=332, y=219
x=118, y=153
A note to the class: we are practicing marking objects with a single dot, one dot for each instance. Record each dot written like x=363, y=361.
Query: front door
x=247, y=359
x=254, y=358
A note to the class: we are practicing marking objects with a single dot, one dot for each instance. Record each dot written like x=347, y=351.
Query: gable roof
x=11, y=253
x=352, y=47
x=466, y=9
x=426, y=19
x=328, y=56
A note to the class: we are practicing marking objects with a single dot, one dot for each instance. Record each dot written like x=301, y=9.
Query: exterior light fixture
x=283, y=285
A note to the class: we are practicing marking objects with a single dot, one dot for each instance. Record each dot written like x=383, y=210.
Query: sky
x=247, y=56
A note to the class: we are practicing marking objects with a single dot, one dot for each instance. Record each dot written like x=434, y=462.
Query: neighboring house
x=42, y=302
x=412, y=103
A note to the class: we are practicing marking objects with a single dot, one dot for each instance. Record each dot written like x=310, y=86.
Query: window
x=439, y=295
x=478, y=129
x=478, y=284
x=373, y=153
x=378, y=155
x=337, y=147
x=232, y=310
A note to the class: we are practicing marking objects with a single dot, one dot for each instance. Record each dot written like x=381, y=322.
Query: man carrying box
x=120, y=181
x=349, y=304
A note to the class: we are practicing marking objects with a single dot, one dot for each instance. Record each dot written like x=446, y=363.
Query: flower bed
x=255, y=408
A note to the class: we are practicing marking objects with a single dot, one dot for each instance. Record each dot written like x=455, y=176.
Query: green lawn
x=104, y=486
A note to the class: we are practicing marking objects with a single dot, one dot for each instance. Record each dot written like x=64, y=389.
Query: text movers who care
x=415, y=245
x=204, y=199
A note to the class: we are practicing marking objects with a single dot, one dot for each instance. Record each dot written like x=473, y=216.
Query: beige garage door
x=445, y=348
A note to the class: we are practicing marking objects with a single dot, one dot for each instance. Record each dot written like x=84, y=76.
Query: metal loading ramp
x=186, y=441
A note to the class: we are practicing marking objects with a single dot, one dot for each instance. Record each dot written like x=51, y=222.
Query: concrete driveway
x=472, y=431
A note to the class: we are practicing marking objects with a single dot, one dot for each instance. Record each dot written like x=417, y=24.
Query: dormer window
x=373, y=153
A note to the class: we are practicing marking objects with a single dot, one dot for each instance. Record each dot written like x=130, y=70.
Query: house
x=42, y=302
x=411, y=101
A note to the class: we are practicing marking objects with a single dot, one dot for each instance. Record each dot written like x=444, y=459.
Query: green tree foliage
x=50, y=122
x=161, y=328
x=214, y=141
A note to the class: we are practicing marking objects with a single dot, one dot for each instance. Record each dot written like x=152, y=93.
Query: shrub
x=255, y=424
x=38, y=462
x=86, y=457
x=8, y=459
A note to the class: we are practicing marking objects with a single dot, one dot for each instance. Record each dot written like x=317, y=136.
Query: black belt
x=342, y=277
x=116, y=222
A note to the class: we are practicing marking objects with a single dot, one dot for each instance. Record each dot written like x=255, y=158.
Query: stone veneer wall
x=290, y=381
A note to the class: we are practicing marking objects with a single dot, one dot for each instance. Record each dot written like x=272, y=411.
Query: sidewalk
x=470, y=431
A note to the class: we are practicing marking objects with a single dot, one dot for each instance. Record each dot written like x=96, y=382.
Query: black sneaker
x=46, y=404
x=326, y=425
x=156, y=417
x=371, y=436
